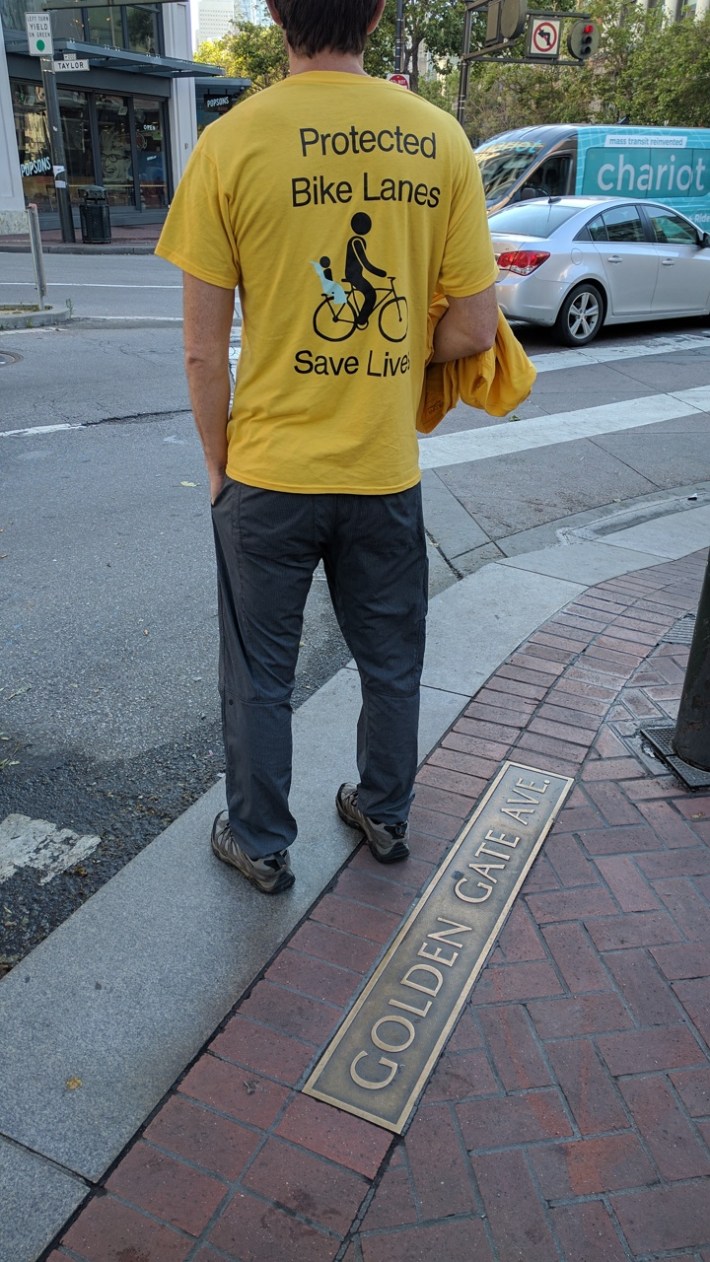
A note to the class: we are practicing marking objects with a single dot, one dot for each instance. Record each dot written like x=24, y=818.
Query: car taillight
x=522, y=261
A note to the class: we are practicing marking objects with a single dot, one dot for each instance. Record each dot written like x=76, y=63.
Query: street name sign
x=39, y=34
x=70, y=63
x=410, y=1005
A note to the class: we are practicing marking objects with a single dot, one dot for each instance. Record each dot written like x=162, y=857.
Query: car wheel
x=581, y=315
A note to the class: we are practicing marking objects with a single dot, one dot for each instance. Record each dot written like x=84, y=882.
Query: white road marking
x=37, y=429
x=35, y=843
x=602, y=354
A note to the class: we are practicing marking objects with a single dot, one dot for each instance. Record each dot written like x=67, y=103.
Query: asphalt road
x=109, y=721
x=105, y=286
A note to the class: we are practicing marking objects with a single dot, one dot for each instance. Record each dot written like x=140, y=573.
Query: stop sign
x=401, y=79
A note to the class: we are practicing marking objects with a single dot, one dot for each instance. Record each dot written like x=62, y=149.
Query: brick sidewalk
x=568, y=1119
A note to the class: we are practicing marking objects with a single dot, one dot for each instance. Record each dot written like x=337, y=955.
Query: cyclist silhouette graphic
x=356, y=261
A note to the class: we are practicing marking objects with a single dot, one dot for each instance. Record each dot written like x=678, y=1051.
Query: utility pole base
x=661, y=738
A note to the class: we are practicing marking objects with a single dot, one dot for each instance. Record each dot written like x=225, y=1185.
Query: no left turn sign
x=544, y=38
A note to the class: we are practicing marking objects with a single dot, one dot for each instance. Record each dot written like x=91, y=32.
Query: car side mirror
x=705, y=241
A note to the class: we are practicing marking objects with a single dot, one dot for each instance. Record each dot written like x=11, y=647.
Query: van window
x=551, y=178
x=501, y=165
x=532, y=219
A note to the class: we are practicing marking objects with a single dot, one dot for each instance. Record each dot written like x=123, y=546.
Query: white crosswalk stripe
x=466, y=446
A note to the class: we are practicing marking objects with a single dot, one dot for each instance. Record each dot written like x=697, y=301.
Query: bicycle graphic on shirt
x=348, y=305
x=335, y=321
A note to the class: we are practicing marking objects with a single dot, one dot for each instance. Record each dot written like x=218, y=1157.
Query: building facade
x=216, y=18
x=128, y=122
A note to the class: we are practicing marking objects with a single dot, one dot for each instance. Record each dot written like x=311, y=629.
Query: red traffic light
x=583, y=39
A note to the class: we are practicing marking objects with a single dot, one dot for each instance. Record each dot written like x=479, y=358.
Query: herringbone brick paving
x=568, y=1119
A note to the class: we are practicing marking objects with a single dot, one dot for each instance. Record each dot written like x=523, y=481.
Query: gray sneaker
x=387, y=842
x=271, y=875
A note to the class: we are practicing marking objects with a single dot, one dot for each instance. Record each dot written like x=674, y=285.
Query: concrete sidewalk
x=153, y=1048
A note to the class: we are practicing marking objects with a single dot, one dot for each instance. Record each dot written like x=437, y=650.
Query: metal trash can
x=94, y=215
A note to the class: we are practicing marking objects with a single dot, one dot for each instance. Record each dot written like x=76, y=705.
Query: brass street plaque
x=383, y=1053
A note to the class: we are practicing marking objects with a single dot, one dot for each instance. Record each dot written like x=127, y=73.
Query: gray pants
x=268, y=545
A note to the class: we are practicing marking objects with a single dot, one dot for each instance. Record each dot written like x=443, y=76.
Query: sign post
x=692, y=732
x=399, y=36
x=39, y=35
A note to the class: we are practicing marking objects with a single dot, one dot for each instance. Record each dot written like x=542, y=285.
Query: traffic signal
x=583, y=39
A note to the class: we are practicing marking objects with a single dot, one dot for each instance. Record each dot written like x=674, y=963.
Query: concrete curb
x=33, y=319
x=127, y=322
x=57, y=247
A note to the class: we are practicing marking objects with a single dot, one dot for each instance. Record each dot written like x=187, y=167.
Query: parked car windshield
x=532, y=219
x=502, y=163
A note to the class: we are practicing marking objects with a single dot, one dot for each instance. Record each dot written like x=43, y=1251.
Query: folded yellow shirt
x=496, y=381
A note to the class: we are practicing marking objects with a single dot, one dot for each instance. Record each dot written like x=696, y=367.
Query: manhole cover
x=7, y=358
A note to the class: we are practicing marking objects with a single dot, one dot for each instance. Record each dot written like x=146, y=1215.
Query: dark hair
x=312, y=26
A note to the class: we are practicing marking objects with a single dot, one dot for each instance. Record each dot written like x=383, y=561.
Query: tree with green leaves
x=432, y=25
x=647, y=71
x=257, y=52
x=249, y=52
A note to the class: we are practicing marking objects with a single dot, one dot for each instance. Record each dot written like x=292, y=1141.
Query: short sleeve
x=198, y=235
x=468, y=265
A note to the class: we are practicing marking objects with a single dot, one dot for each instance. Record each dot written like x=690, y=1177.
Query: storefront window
x=142, y=29
x=33, y=144
x=151, y=152
x=74, y=111
x=115, y=149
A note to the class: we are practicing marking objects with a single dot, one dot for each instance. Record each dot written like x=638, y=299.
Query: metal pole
x=56, y=148
x=691, y=739
x=464, y=65
x=398, y=38
x=37, y=256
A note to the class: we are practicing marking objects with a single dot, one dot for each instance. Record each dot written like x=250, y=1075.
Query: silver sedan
x=578, y=263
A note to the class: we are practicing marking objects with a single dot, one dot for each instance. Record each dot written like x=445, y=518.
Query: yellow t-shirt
x=339, y=204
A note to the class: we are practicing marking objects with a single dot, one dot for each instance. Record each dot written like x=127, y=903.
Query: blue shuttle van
x=667, y=164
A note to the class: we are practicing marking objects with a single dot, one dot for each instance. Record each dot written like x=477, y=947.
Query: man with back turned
x=317, y=458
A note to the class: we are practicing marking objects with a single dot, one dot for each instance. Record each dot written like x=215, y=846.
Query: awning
x=140, y=63
x=100, y=57
x=209, y=87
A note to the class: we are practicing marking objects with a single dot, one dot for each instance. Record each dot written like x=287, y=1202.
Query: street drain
x=681, y=632
x=7, y=358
